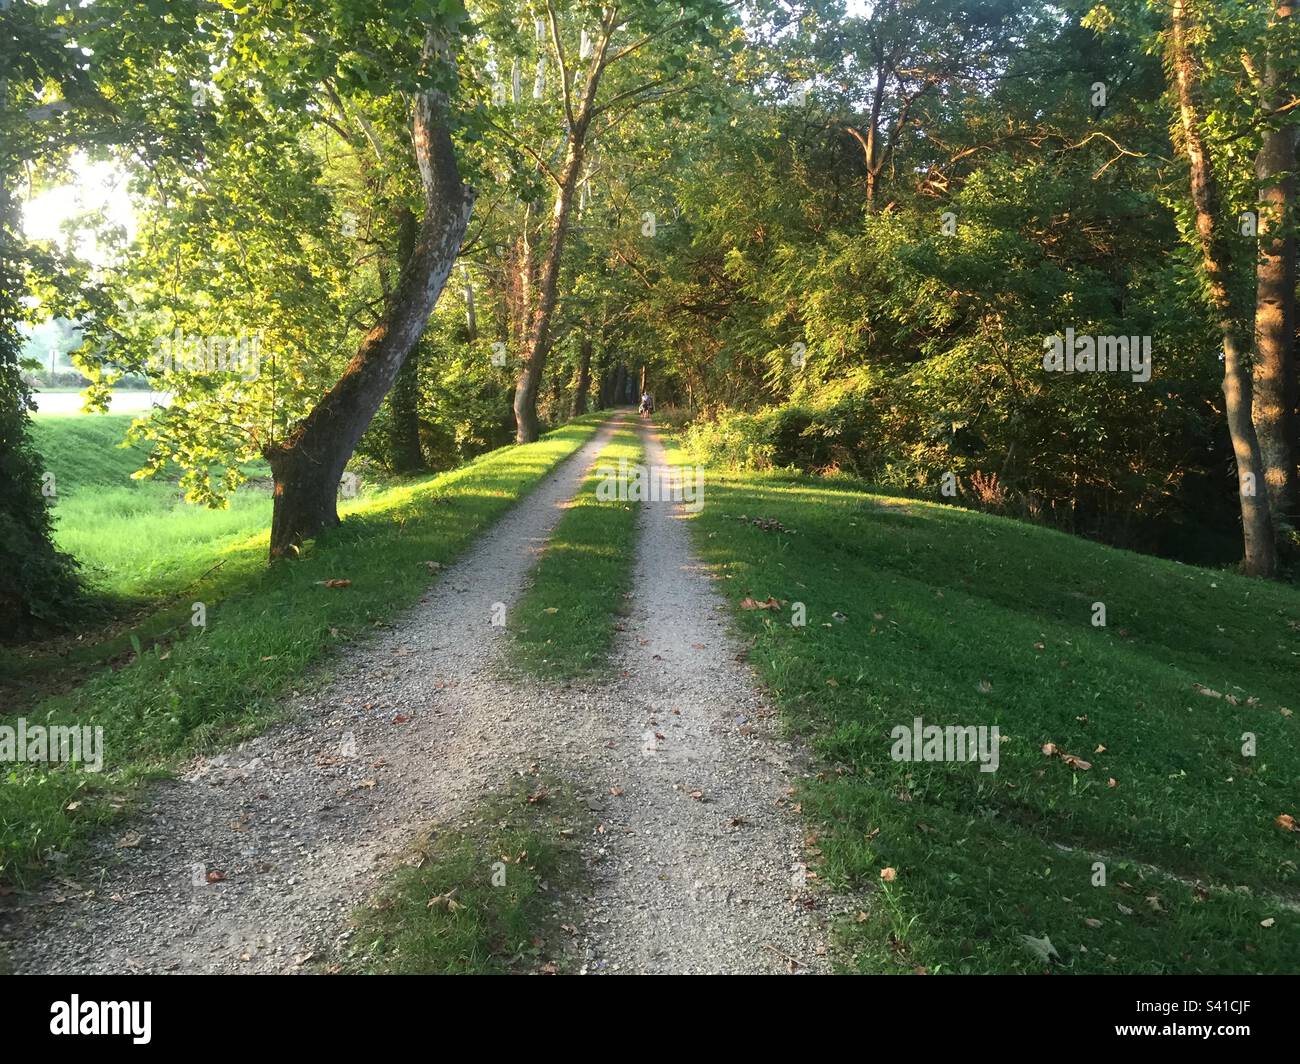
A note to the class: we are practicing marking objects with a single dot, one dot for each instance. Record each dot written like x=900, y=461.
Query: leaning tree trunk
x=584, y=377
x=307, y=464
x=1256, y=524
x=1275, y=292
x=404, y=399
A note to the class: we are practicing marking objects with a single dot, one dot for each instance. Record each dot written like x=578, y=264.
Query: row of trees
x=865, y=220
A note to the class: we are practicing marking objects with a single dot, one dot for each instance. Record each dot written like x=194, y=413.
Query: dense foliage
x=835, y=235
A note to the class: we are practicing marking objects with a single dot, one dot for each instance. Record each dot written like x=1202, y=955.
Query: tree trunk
x=537, y=338
x=584, y=378
x=404, y=399
x=1275, y=293
x=471, y=318
x=308, y=463
x=1256, y=525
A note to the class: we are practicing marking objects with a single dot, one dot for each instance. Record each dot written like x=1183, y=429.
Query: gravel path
x=703, y=869
x=252, y=860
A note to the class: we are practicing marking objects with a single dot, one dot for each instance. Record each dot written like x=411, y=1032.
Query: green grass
x=145, y=553
x=266, y=625
x=138, y=541
x=564, y=623
x=480, y=898
x=967, y=619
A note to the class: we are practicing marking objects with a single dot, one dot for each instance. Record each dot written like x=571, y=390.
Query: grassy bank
x=1143, y=840
x=265, y=625
x=144, y=552
x=483, y=897
x=564, y=623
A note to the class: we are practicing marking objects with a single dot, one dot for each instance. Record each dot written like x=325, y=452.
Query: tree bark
x=404, y=399
x=471, y=317
x=584, y=377
x=1276, y=293
x=1256, y=524
x=307, y=465
x=537, y=336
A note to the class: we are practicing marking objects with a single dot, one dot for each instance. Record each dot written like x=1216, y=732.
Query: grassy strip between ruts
x=484, y=897
x=564, y=623
x=228, y=679
x=1160, y=846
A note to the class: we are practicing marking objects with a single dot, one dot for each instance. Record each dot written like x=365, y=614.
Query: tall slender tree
x=1216, y=258
x=1275, y=301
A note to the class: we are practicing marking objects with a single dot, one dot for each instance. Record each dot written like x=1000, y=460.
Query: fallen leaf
x=216, y=876
x=1267, y=923
x=889, y=874
x=446, y=901
x=1092, y=922
x=1284, y=820
x=130, y=840
x=617, y=792
x=1041, y=948
x=336, y=583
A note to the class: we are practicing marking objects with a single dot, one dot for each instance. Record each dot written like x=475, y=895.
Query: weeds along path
x=253, y=859
x=699, y=866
